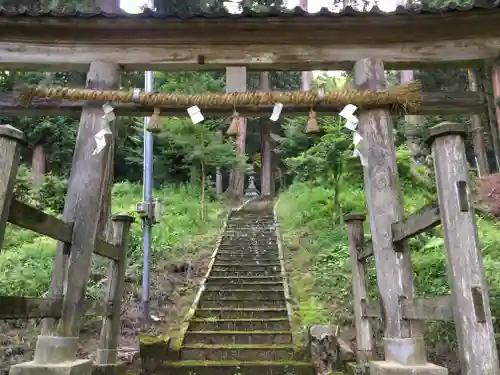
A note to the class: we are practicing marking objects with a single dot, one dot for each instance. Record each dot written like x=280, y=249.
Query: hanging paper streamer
x=109, y=112
x=195, y=113
x=348, y=114
x=276, y=112
x=100, y=136
x=358, y=153
x=356, y=139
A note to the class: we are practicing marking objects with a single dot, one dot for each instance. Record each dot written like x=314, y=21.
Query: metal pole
x=148, y=197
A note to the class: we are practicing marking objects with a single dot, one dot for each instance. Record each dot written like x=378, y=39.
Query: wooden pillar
x=364, y=333
x=476, y=338
x=107, y=352
x=492, y=110
x=383, y=195
x=478, y=132
x=38, y=161
x=82, y=206
x=266, y=144
x=218, y=174
x=236, y=81
x=11, y=142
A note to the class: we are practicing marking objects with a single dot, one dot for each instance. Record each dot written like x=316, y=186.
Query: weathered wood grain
x=477, y=348
x=11, y=141
x=114, y=294
x=364, y=332
x=366, y=250
x=273, y=43
x=82, y=205
x=107, y=250
x=433, y=103
x=393, y=261
x=28, y=217
x=418, y=222
x=435, y=308
x=12, y=307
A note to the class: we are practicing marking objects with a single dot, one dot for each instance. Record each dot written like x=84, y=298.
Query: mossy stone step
x=245, y=273
x=236, y=367
x=207, y=352
x=261, y=285
x=247, y=262
x=223, y=313
x=244, y=279
x=238, y=337
x=214, y=293
x=246, y=267
x=276, y=324
x=230, y=303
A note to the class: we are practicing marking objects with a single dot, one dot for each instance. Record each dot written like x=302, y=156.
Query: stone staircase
x=241, y=323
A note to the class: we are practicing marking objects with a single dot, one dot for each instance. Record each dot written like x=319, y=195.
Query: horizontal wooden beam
x=420, y=221
x=261, y=43
x=435, y=308
x=433, y=103
x=12, y=307
x=107, y=250
x=366, y=251
x=31, y=218
x=133, y=57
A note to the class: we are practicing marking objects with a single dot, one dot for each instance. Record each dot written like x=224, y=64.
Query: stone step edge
x=245, y=333
x=245, y=277
x=200, y=320
x=256, y=283
x=241, y=346
x=214, y=289
x=231, y=363
x=241, y=309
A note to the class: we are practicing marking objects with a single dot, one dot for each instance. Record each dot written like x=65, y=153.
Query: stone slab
x=114, y=369
x=77, y=367
x=394, y=368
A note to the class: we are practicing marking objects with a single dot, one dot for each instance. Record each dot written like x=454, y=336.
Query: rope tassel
x=234, y=127
x=154, y=122
x=312, y=124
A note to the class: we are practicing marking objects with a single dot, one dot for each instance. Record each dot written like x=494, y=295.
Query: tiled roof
x=271, y=13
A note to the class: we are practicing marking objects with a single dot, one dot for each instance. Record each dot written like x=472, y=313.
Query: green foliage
x=26, y=258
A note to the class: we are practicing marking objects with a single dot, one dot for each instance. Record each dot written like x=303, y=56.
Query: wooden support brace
x=364, y=332
x=476, y=338
x=424, y=309
x=107, y=353
x=11, y=141
x=418, y=222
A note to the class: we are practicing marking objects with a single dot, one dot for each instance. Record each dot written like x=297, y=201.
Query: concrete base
x=407, y=351
x=119, y=368
x=393, y=368
x=78, y=367
x=55, y=349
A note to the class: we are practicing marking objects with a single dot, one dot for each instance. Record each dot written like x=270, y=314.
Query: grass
x=318, y=259
x=26, y=257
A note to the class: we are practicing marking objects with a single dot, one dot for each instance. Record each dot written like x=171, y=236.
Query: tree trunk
x=266, y=144
x=478, y=133
x=236, y=81
x=38, y=164
x=495, y=131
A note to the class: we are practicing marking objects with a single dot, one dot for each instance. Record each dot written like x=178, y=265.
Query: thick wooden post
x=364, y=333
x=11, y=141
x=476, y=338
x=107, y=352
x=236, y=81
x=266, y=144
x=403, y=341
x=82, y=206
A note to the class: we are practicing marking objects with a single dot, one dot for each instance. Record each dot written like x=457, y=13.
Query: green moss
x=237, y=363
x=150, y=340
x=240, y=320
x=243, y=332
x=241, y=346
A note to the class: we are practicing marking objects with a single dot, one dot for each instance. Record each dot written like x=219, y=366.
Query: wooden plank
x=83, y=201
x=12, y=307
x=435, y=308
x=433, y=103
x=364, y=332
x=107, y=250
x=29, y=308
x=365, y=251
x=418, y=222
x=28, y=217
x=265, y=43
x=11, y=141
x=107, y=353
x=393, y=263
x=476, y=337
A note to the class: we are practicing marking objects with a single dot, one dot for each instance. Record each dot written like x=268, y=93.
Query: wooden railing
x=468, y=304
x=31, y=218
